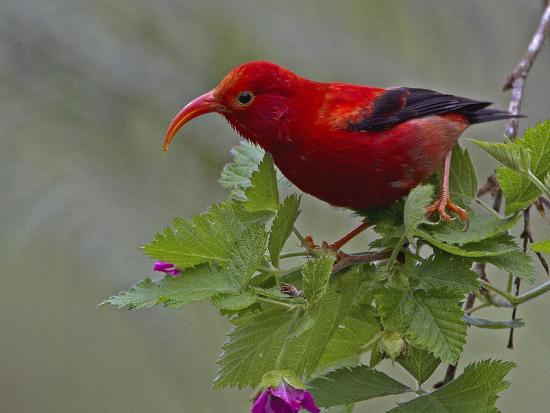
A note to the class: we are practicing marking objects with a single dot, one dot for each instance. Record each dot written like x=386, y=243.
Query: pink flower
x=284, y=399
x=167, y=268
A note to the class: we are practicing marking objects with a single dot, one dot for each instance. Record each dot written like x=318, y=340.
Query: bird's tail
x=488, y=115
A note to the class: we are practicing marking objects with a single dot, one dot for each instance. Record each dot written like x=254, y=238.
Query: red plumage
x=349, y=145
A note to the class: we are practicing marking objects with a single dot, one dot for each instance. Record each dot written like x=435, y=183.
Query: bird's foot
x=443, y=204
x=333, y=249
x=309, y=244
x=325, y=248
x=343, y=260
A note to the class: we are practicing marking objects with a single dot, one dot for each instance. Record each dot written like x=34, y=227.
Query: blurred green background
x=87, y=89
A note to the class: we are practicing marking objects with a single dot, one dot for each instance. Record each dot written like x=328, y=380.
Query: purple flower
x=284, y=399
x=167, y=268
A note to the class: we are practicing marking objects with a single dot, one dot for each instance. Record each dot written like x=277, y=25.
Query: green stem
x=275, y=302
x=293, y=254
x=267, y=270
x=503, y=294
x=535, y=292
x=284, y=349
x=538, y=183
x=396, y=250
x=367, y=346
x=298, y=234
x=520, y=299
x=412, y=255
x=509, y=284
x=478, y=307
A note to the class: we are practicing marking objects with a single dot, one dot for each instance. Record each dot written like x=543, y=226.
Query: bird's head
x=253, y=97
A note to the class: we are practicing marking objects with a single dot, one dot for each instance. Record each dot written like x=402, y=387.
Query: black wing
x=400, y=104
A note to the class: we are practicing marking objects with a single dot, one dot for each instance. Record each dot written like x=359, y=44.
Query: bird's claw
x=309, y=244
x=325, y=248
x=442, y=205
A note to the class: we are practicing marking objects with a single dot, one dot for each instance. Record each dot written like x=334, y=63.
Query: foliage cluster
x=332, y=329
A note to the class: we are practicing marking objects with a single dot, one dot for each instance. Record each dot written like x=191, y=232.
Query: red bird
x=349, y=145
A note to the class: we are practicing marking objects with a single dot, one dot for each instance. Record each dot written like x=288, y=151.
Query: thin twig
x=489, y=187
x=525, y=64
x=516, y=82
x=298, y=234
x=470, y=301
x=449, y=376
x=512, y=301
x=349, y=260
x=525, y=235
x=478, y=307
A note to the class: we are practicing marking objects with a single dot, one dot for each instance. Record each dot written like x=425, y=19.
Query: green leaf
x=474, y=391
x=350, y=340
x=541, y=246
x=195, y=284
x=281, y=229
x=493, y=325
x=246, y=254
x=419, y=363
x=387, y=220
x=233, y=302
x=519, y=190
x=526, y=164
x=509, y=154
x=415, y=208
x=262, y=194
x=490, y=247
x=235, y=176
x=260, y=340
x=430, y=320
x=352, y=385
x=436, y=323
x=304, y=352
x=275, y=377
x=253, y=347
x=208, y=238
x=393, y=309
x=203, y=281
x=515, y=262
x=463, y=179
x=445, y=270
x=316, y=275
x=301, y=323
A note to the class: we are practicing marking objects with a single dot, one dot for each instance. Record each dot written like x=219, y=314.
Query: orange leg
x=337, y=245
x=444, y=203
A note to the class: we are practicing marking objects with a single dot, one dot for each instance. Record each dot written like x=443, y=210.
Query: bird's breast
x=363, y=169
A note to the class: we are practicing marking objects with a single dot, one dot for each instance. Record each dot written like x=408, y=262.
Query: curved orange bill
x=203, y=104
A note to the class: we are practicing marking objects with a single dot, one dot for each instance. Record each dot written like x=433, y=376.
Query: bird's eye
x=245, y=98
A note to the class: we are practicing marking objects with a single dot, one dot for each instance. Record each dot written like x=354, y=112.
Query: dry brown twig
x=515, y=81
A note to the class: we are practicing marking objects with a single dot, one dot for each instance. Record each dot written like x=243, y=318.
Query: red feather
x=349, y=145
